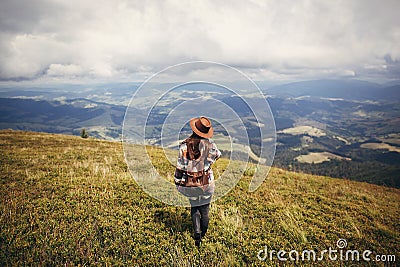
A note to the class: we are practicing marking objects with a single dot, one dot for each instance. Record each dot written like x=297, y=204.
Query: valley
x=350, y=132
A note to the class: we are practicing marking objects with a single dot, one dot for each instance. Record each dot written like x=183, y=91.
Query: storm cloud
x=268, y=40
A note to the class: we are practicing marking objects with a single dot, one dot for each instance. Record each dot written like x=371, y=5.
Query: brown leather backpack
x=196, y=176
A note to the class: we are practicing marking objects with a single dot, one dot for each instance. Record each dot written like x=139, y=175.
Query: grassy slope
x=67, y=200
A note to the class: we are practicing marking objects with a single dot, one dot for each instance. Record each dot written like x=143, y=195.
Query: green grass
x=71, y=201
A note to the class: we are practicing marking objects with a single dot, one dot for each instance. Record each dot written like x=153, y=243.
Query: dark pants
x=200, y=220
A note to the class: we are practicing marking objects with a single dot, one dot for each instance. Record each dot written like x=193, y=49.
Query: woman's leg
x=196, y=219
x=204, y=219
x=199, y=212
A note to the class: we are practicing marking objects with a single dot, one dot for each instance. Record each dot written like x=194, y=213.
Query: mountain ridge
x=358, y=121
x=335, y=88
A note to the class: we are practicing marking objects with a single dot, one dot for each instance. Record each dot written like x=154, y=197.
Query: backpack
x=195, y=176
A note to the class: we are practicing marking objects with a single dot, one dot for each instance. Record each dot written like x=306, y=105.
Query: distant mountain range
x=340, y=128
x=342, y=89
x=68, y=116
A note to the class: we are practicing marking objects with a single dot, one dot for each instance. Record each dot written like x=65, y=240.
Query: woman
x=193, y=175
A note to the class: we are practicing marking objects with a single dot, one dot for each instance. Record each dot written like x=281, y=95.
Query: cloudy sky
x=70, y=40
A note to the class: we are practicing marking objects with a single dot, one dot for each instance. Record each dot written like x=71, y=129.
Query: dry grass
x=380, y=146
x=71, y=201
x=319, y=157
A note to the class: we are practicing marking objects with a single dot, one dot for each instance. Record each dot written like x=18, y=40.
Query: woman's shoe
x=197, y=239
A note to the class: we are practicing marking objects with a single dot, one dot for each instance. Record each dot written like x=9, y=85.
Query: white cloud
x=65, y=70
x=266, y=39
